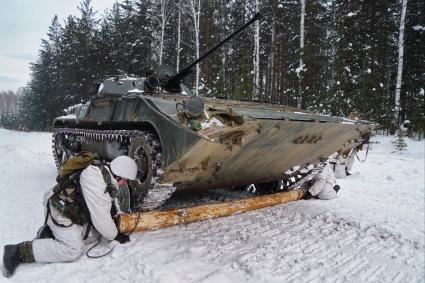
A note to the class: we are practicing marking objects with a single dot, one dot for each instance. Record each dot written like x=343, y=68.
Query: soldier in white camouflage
x=69, y=226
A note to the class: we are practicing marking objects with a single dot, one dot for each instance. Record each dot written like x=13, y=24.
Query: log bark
x=152, y=220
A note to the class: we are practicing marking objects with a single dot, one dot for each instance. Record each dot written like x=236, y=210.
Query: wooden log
x=151, y=220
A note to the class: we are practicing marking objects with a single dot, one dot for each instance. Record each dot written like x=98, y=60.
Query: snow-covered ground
x=373, y=232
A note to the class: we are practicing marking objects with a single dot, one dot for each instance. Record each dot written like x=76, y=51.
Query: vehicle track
x=293, y=246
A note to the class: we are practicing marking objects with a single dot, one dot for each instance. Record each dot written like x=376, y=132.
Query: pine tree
x=43, y=99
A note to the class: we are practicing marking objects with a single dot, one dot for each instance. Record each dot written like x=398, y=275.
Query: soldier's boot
x=13, y=255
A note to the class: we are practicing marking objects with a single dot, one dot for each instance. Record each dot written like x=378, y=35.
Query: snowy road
x=373, y=232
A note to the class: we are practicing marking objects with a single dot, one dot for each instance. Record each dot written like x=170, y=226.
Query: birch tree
x=400, y=60
x=273, y=55
x=178, y=48
x=300, y=69
x=193, y=9
x=256, y=57
x=8, y=102
x=332, y=54
x=164, y=15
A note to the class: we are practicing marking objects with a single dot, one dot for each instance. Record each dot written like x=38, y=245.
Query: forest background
x=362, y=58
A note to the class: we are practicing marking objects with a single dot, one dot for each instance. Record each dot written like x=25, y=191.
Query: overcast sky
x=23, y=23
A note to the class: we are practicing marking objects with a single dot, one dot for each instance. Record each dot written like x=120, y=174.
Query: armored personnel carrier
x=183, y=142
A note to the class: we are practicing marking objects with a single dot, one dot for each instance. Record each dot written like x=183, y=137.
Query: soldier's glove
x=122, y=238
x=307, y=195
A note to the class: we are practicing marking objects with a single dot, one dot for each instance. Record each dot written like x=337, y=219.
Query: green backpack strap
x=120, y=196
x=107, y=178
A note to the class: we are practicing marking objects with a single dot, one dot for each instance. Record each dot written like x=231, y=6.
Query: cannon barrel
x=175, y=80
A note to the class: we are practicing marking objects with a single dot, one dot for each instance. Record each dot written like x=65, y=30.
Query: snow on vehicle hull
x=260, y=151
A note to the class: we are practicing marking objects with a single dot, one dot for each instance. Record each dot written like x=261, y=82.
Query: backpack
x=67, y=196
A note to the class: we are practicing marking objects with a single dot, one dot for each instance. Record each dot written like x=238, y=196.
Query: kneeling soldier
x=323, y=185
x=71, y=212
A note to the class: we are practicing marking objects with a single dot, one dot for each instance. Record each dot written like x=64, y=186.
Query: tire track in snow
x=292, y=245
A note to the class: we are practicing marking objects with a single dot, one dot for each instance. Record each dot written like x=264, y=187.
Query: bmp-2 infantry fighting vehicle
x=183, y=142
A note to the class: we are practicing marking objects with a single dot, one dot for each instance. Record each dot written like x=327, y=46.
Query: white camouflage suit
x=68, y=244
x=341, y=165
x=324, y=182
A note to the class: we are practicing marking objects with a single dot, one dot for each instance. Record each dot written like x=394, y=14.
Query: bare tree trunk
x=256, y=56
x=273, y=59
x=400, y=61
x=333, y=47
x=223, y=23
x=301, y=67
x=8, y=103
x=178, y=36
x=198, y=46
x=163, y=24
x=195, y=12
x=161, y=42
